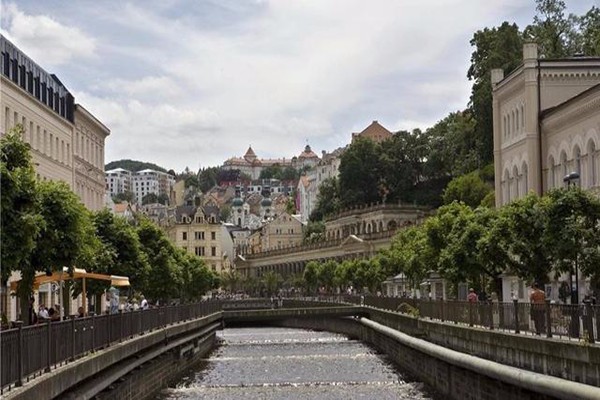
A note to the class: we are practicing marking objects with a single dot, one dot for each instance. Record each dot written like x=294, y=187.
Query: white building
x=118, y=180
x=151, y=181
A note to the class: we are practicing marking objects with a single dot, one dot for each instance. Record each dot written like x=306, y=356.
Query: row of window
x=201, y=251
x=37, y=82
x=88, y=150
x=40, y=139
x=514, y=121
x=199, y=235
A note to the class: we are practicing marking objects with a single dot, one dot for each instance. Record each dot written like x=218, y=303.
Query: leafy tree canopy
x=133, y=165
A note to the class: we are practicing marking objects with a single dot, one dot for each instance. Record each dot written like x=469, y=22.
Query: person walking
x=472, y=296
x=537, y=298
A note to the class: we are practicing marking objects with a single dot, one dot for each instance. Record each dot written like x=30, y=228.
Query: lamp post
x=574, y=293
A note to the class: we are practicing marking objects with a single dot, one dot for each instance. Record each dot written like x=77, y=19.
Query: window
x=184, y=235
x=213, y=236
x=198, y=235
x=199, y=251
x=213, y=251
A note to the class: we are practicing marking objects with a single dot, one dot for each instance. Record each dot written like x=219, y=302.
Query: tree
x=123, y=243
x=523, y=224
x=209, y=177
x=271, y=172
x=499, y=47
x=289, y=174
x=557, y=35
x=326, y=274
x=313, y=232
x=231, y=280
x=150, y=198
x=163, y=199
x=164, y=277
x=590, y=32
x=133, y=165
x=573, y=232
x=359, y=173
x=311, y=276
x=469, y=189
x=196, y=278
x=328, y=200
x=21, y=220
x=225, y=212
x=124, y=196
x=271, y=281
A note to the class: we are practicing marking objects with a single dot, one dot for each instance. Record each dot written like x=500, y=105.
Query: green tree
x=208, y=178
x=557, y=35
x=590, y=32
x=311, y=276
x=271, y=172
x=342, y=277
x=499, y=47
x=360, y=173
x=225, y=212
x=271, y=281
x=122, y=242
x=289, y=174
x=164, y=277
x=326, y=274
x=328, y=200
x=124, y=196
x=231, y=280
x=163, y=199
x=21, y=221
x=469, y=189
x=573, y=232
x=150, y=198
x=196, y=278
x=314, y=232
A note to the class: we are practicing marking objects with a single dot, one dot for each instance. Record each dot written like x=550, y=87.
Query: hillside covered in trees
x=133, y=165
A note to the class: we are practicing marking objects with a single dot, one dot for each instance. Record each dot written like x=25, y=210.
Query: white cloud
x=185, y=84
x=44, y=38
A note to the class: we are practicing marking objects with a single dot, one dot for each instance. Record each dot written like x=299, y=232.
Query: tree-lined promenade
x=45, y=227
x=535, y=238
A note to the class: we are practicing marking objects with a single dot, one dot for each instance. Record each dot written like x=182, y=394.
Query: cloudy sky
x=192, y=83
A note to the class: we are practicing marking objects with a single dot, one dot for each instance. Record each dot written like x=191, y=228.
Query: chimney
x=497, y=76
x=530, y=52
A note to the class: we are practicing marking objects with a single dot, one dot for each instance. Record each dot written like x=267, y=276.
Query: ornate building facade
x=546, y=124
x=67, y=141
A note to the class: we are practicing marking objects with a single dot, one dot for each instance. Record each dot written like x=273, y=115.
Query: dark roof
x=210, y=210
x=180, y=211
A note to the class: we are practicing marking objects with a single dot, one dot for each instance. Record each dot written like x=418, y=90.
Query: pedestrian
x=537, y=299
x=144, y=303
x=31, y=314
x=472, y=296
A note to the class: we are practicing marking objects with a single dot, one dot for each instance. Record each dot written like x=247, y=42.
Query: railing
x=580, y=322
x=28, y=351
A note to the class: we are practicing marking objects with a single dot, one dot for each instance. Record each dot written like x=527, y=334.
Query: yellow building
x=67, y=141
x=199, y=231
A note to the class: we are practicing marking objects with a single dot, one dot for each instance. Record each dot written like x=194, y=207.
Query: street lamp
x=574, y=293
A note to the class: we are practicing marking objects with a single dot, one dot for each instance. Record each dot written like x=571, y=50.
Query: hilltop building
x=252, y=166
x=67, y=141
x=376, y=132
x=140, y=183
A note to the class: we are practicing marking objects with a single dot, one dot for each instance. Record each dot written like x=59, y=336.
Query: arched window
x=506, y=188
x=525, y=186
x=563, y=164
x=523, y=115
x=505, y=127
x=577, y=166
x=518, y=125
x=515, y=183
x=551, y=173
x=592, y=164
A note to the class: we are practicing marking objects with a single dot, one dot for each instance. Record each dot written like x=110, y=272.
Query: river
x=281, y=363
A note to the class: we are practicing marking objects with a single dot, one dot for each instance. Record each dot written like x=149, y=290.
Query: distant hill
x=133, y=165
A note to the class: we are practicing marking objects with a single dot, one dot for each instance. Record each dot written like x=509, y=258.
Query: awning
x=78, y=273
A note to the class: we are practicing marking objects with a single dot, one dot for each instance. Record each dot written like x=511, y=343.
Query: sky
x=193, y=83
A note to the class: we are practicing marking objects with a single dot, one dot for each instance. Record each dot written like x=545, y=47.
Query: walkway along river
x=282, y=363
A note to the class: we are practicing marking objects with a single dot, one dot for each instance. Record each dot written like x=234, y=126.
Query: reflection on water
x=281, y=363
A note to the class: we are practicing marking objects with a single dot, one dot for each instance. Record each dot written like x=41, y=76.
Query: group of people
x=45, y=314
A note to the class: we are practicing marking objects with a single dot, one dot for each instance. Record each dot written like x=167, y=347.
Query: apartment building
x=67, y=141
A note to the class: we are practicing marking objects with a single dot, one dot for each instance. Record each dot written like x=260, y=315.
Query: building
x=376, y=132
x=546, y=124
x=199, y=231
x=249, y=164
x=283, y=231
x=118, y=180
x=150, y=181
x=546, y=117
x=67, y=141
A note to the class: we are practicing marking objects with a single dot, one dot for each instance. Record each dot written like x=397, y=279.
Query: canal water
x=282, y=363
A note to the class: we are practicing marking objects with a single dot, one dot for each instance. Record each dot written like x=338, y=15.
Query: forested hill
x=133, y=165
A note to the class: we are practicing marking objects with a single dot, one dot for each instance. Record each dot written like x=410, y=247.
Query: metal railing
x=28, y=351
x=580, y=322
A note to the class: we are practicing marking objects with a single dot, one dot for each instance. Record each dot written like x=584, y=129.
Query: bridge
x=81, y=358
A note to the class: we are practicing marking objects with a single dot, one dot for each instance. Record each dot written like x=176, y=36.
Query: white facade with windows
x=151, y=181
x=546, y=125
x=118, y=180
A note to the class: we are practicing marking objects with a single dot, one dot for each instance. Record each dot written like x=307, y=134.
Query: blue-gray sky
x=192, y=83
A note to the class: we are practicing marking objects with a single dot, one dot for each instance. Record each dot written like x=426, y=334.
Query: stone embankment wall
x=453, y=374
